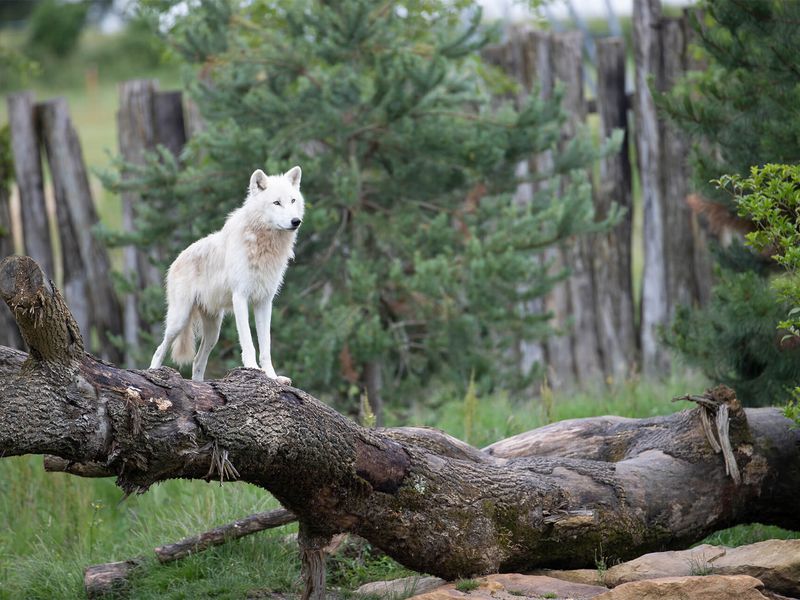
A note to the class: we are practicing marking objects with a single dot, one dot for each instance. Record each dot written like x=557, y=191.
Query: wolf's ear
x=293, y=175
x=258, y=181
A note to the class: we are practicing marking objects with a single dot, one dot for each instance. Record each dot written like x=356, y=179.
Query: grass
x=467, y=585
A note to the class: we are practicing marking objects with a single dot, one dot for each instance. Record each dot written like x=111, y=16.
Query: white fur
x=242, y=263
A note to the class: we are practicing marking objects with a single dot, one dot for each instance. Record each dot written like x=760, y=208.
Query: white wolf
x=243, y=262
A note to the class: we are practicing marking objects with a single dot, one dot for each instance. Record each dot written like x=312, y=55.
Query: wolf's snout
x=296, y=223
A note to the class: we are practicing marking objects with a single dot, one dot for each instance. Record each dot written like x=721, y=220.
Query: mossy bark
x=623, y=487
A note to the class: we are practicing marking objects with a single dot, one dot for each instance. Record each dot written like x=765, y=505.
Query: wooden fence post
x=612, y=250
x=558, y=348
x=678, y=237
x=87, y=271
x=9, y=332
x=586, y=351
x=655, y=306
x=168, y=117
x=28, y=171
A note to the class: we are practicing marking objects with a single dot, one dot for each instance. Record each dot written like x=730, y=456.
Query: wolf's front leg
x=263, y=314
x=243, y=329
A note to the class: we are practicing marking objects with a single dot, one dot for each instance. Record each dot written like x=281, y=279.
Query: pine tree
x=742, y=110
x=412, y=253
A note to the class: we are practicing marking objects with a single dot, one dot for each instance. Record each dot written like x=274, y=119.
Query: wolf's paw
x=283, y=380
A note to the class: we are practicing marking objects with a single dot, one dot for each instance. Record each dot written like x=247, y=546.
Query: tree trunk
x=431, y=502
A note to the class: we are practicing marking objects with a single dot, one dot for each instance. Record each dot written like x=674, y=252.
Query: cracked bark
x=550, y=498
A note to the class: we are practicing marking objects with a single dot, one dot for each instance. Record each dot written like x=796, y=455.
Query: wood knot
x=384, y=468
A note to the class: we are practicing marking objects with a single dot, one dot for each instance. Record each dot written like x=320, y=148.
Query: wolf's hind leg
x=211, y=327
x=178, y=318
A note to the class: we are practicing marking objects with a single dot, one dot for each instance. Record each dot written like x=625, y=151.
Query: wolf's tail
x=183, y=346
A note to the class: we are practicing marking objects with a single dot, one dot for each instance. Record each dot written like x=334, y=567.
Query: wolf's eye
x=277, y=203
x=293, y=200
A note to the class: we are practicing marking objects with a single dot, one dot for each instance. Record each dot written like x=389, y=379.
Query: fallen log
x=432, y=503
x=224, y=533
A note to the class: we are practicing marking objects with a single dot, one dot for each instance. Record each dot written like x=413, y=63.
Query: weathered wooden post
x=687, y=264
x=558, y=348
x=136, y=136
x=28, y=172
x=146, y=118
x=612, y=250
x=9, y=333
x=87, y=271
x=568, y=68
x=676, y=265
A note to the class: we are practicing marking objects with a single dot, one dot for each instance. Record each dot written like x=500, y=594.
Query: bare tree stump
x=110, y=579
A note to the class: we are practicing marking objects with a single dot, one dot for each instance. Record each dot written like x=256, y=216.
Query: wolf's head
x=278, y=199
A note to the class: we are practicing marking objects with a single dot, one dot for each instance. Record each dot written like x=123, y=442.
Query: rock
x=708, y=587
x=585, y=576
x=400, y=588
x=681, y=563
x=775, y=562
x=514, y=587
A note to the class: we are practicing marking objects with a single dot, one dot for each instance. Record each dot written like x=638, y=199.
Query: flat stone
x=708, y=587
x=680, y=563
x=513, y=586
x=585, y=576
x=775, y=562
x=400, y=588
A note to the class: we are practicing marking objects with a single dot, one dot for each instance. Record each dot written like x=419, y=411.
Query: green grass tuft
x=467, y=585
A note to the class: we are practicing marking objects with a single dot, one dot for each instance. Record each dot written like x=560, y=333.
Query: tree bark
x=431, y=502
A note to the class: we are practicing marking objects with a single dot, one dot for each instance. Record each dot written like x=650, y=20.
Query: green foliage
x=55, y=27
x=748, y=357
x=16, y=69
x=360, y=563
x=412, y=251
x=467, y=585
x=740, y=110
x=770, y=198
